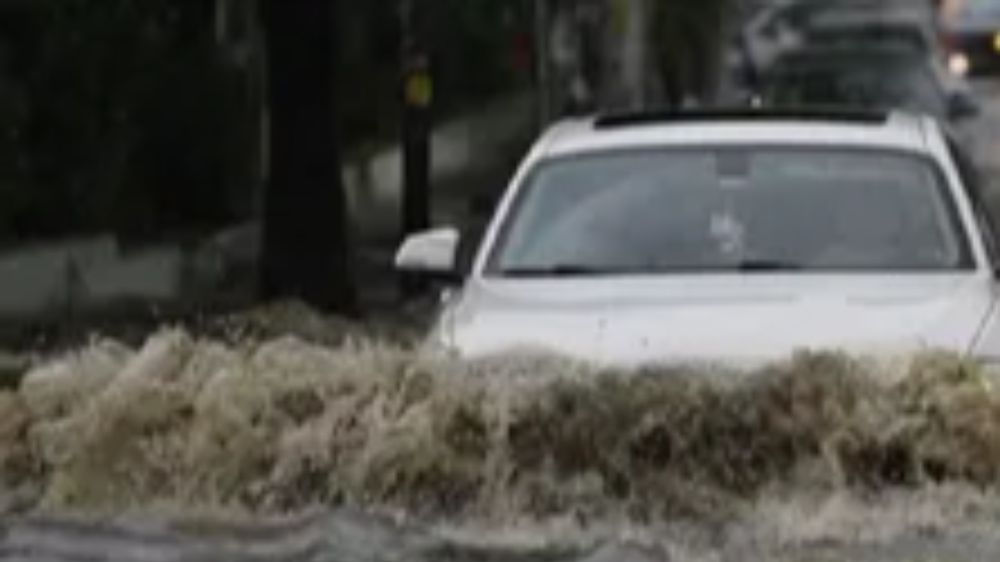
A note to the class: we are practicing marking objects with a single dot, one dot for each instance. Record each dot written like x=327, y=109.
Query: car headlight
x=958, y=64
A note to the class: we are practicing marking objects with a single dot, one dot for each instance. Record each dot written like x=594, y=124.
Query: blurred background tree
x=132, y=116
x=474, y=55
x=626, y=54
x=117, y=114
x=687, y=46
x=127, y=115
x=476, y=48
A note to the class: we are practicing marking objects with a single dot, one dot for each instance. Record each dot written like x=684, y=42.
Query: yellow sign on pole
x=419, y=90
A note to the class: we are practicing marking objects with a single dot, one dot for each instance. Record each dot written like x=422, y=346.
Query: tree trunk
x=305, y=246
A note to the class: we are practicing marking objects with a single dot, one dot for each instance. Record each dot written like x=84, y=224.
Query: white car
x=734, y=237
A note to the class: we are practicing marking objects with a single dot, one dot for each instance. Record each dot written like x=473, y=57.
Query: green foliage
x=126, y=115
x=369, y=71
x=687, y=36
x=472, y=48
x=115, y=113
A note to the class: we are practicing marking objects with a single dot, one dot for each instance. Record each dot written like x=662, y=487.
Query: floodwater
x=336, y=444
x=346, y=448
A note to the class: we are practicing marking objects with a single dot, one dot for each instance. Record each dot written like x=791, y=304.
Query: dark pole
x=305, y=247
x=418, y=96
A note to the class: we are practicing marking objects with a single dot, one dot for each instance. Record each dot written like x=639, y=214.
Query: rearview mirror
x=962, y=105
x=433, y=253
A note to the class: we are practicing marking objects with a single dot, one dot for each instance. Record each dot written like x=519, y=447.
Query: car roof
x=883, y=50
x=869, y=10
x=851, y=26
x=817, y=128
x=886, y=18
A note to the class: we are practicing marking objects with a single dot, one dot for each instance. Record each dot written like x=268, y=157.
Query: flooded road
x=350, y=536
x=189, y=449
x=332, y=448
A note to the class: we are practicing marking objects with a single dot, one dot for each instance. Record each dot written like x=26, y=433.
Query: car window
x=719, y=209
x=888, y=84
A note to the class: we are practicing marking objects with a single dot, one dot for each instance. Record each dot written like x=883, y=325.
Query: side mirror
x=962, y=105
x=433, y=253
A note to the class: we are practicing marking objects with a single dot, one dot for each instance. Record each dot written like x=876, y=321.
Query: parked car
x=882, y=75
x=786, y=25
x=736, y=236
x=972, y=35
x=773, y=30
x=902, y=28
x=912, y=28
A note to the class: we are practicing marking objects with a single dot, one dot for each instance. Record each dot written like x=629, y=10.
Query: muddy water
x=193, y=449
x=350, y=535
x=818, y=457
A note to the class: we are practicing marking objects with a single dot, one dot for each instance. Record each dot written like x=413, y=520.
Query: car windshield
x=765, y=209
x=862, y=82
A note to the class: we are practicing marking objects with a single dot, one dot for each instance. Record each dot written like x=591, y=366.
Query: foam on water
x=816, y=449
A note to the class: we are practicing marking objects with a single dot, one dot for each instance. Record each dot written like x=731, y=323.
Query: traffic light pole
x=418, y=97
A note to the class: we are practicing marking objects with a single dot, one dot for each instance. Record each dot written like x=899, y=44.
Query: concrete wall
x=79, y=275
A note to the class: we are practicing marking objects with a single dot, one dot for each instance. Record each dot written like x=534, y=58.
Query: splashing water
x=819, y=448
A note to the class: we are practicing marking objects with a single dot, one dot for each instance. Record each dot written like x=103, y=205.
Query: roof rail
x=834, y=114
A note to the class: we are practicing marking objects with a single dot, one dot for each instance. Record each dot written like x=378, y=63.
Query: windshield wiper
x=570, y=270
x=567, y=270
x=764, y=266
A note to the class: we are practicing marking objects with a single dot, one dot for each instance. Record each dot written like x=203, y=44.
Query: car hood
x=717, y=318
